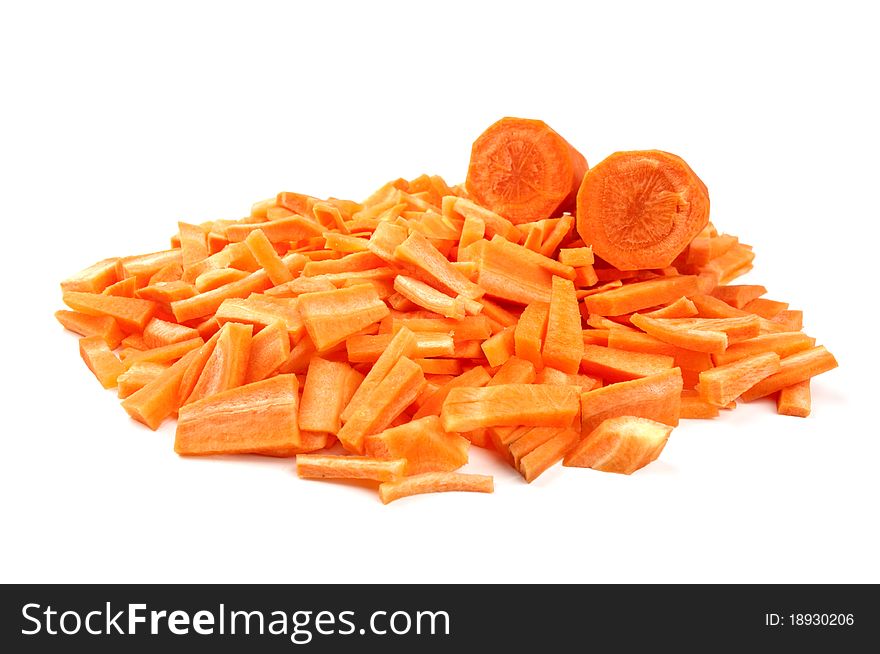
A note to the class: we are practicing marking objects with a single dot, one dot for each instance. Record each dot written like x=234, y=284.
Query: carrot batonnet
x=539, y=309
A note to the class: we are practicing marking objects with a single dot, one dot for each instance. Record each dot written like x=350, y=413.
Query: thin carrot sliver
x=722, y=385
x=641, y=295
x=738, y=295
x=428, y=297
x=680, y=308
x=713, y=342
x=327, y=466
x=434, y=482
x=793, y=369
x=164, y=353
x=547, y=454
x=563, y=343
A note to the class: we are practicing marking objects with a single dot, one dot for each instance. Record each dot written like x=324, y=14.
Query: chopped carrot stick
x=499, y=348
x=137, y=376
x=622, y=365
x=737, y=329
x=693, y=406
x=468, y=328
x=597, y=336
x=539, y=405
x=657, y=397
x=765, y=308
x=507, y=276
x=641, y=295
x=164, y=353
x=514, y=371
x=206, y=304
x=576, y=257
x=355, y=262
x=473, y=378
x=368, y=348
x=86, y=325
x=161, y=332
x=144, y=266
x=680, y=308
x=584, y=277
x=265, y=254
x=215, y=278
x=428, y=297
x=261, y=311
x=784, y=344
x=722, y=385
x=601, y=322
x=167, y=292
x=738, y=295
x=711, y=307
x=793, y=369
x=547, y=454
x=563, y=342
x=560, y=230
x=440, y=366
x=434, y=482
x=123, y=288
x=732, y=264
x=494, y=223
x=100, y=359
x=498, y=313
x=385, y=402
x=521, y=442
x=794, y=400
x=217, y=424
x=300, y=354
x=193, y=244
x=269, y=350
x=422, y=444
x=299, y=286
x=704, y=340
x=418, y=251
x=473, y=229
x=227, y=365
x=332, y=316
x=292, y=228
x=134, y=341
x=131, y=314
x=530, y=332
x=621, y=444
x=93, y=279
x=159, y=398
x=791, y=320
x=326, y=466
x=329, y=386
x=172, y=272
x=705, y=248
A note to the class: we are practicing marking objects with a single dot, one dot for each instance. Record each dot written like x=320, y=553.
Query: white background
x=120, y=119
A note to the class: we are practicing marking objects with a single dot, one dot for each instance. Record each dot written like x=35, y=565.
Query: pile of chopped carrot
x=540, y=310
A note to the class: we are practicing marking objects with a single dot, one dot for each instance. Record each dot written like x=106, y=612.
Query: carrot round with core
x=524, y=170
x=641, y=209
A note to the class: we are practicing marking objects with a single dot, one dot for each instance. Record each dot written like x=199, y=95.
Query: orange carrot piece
x=131, y=314
x=164, y=353
x=123, y=288
x=498, y=349
x=282, y=230
x=505, y=247
x=469, y=328
x=516, y=444
x=355, y=262
x=705, y=248
x=422, y=444
x=206, y=304
x=560, y=230
x=530, y=332
x=597, y=336
x=332, y=316
x=133, y=342
x=680, y=308
x=765, y=308
x=428, y=297
x=738, y=295
x=261, y=311
x=563, y=342
x=193, y=244
x=735, y=262
x=418, y=251
x=793, y=369
x=622, y=365
x=138, y=376
x=641, y=295
x=473, y=378
x=538, y=405
x=166, y=292
x=473, y=229
x=547, y=454
x=227, y=365
x=657, y=397
x=495, y=224
x=159, y=398
x=100, y=359
x=269, y=350
x=385, y=402
x=144, y=266
x=191, y=375
x=584, y=277
x=514, y=371
x=600, y=322
x=93, y=279
x=695, y=407
x=713, y=342
x=172, y=272
x=327, y=466
x=161, y=332
x=794, y=400
x=509, y=276
x=737, y=329
x=576, y=257
x=300, y=355
x=622, y=444
x=434, y=482
x=791, y=320
x=440, y=366
x=367, y=348
x=329, y=386
x=86, y=325
x=722, y=385
x=711, y=307
x=263, y=251
x=217, y=424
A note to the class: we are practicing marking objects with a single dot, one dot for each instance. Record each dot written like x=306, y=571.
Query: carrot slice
x=227, y=365
x=495, y=224
x=206, y=304
x=791, y=320
x=422, y=444
x=641, y=209
x=428, y=297
x=161, y=332
x=538, y=405
x=530, y=332
x=193, y=244
x=711, y=307
x=137, y=376
x=514, y=371
x=367, y=348
x=282, y=230
x=164, y=353
x=793, y=369
x=693, y=406
x=468, y=328
x=100, y=359
x=384, y=403
x=621, y=444
x=93, y=279
x=641, y=295
x=681, y=308
x=713, y=342
x=499, y=348
x=784, y=344
x=419, y=252
x=737, y=329
x=265, y=254
x=332, y=316
x=794, y=400
x=131, y=314
x=86, y=325
x=329, y=386
x=622, y=365
x=657, y=397
x=159, y=398
x=722, y=385
x=166, y=292
x=326, y=466
x=547, y=454
x=144, y=266
x=473, y=378
x=355, y=262
x=508, y=276
x=576, y=257
x=217, y=424
x=524, y=170
x=765, y=308
x=738, y=295
x=262, y=311
x=269, y=350
x=563, y=342
x=440, y=366
x=434, y=482
x=123, y=288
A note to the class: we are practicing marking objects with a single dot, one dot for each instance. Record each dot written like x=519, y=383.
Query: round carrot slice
x=524, y=171
x=641, y=209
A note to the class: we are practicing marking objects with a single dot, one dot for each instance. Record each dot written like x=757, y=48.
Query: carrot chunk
x=530, y=331
x=784, y=344
x=86, y=325
x=514, y=371
x=563, y=342
x=722, y=385
x=262, y=250
x=422, y=444
x=657, y=397
x=93, y=279
x=622, y=365
x=694, y=406
x=226, y=367
x=332, y=316
x=641, y=295
x=326, y=466
x=269, y=350
x=793, y=369
x=539, y=405
x=131, y=314
x=434, y=482
x=161, y=332
x=473, y=378
x=738, y=295
x=544, y=456
x=159, y=398
x=138, y=376
x=100, y=359
x=622, y=444
x=794, y=400
x=329, y=386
